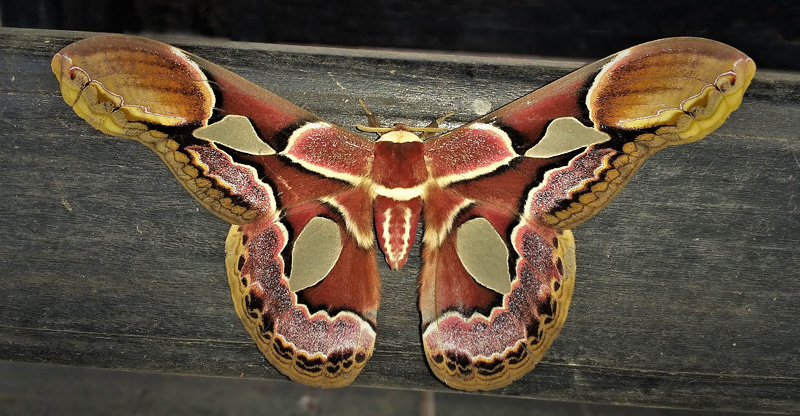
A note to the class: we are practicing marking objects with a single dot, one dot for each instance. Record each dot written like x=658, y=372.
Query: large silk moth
x=309, y=201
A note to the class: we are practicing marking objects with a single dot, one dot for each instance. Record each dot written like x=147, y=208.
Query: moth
x=310, y=201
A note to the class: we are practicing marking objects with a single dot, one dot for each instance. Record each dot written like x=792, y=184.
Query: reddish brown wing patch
x=330, y=151
x=468, y=152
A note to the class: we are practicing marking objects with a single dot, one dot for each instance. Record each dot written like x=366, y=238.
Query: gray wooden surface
x=41, y=389
x=688, y=285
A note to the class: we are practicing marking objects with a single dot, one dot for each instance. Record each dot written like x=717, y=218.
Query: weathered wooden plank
x=687, y=286
x=33, y=389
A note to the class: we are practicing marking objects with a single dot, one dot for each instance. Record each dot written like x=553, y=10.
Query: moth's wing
x=546, y=163
x=255, y=160
x=307, y=291
x=564, y=151
x=494, y=293
x=228, y=141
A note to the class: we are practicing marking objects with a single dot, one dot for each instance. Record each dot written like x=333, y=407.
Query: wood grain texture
x=687, y=287
x=34, y=389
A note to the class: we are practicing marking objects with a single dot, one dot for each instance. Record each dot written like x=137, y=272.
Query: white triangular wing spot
x=565, y=135
x=484, y=254
x=237, y=133
x=315, y=252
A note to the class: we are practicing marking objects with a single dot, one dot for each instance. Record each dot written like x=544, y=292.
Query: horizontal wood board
x=687, y=285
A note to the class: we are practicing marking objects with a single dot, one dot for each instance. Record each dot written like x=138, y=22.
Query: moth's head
x=400, y=133
x=400, y=137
